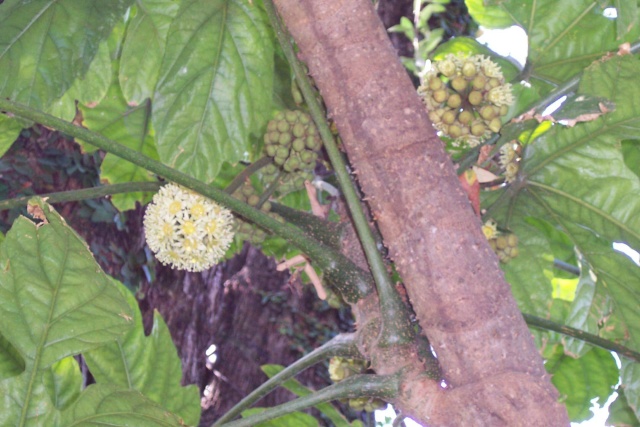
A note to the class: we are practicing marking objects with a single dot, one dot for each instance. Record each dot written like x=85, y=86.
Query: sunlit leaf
x=46, y=44
x=144, y=47
x=215, y=86
x=149, y=365
x=594, y=375
x=129, y=126
x=63, y=382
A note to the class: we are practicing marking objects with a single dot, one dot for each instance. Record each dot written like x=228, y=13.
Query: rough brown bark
x=493, y=371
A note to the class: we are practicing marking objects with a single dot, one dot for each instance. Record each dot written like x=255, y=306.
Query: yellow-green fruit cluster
x=505, y=246
x=509, y=160
x=342, y=367
x=466, y=97
x=368, y=404
x=292, y=141
x=288, y=182
x=246, y=230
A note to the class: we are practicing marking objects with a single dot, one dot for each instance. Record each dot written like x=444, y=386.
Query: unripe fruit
x=487, y=112
x=512, y=240
x=504, y=110
x=298, y=144
x=449, y=117
x=435, y=83
x=495, y=125
x=479, y=82
x=440, y=95
x=475, y=97
x=501, y=242
x=283, y=126
x=478, y=129
x=298, y=130
x=465, y=117
x=455, y=131
x=285, y=139
x=459, y=84
x=454, y=101
x=253, y=200
x=282, y=152
x=270, y=150
x=469, y=69
x=447, y=67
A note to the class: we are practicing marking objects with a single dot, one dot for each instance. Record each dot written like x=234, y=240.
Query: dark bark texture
x=493, y=372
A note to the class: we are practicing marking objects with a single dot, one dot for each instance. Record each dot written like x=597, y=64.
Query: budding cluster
x=466, y=97
x=287, y=182
x=246, y=230
x=509, y=160
x=341, y=368
x=292, y=141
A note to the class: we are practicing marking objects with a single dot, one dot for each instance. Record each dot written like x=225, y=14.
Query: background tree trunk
x=493, y=371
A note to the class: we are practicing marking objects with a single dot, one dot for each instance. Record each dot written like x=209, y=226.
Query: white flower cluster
x=186, y=230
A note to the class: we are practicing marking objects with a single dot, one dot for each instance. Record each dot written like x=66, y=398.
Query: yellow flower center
x=197, y=210
x=188, y=228
x=212, y=226
x=175, y=207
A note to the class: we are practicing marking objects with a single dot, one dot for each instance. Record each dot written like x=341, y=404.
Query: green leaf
x=293, y=419
x=11, y=363
x=215, y=86
x=55, y=301
x=105, y=405
x=295, y=387
x=46, y=44
x=581, y=316
x=144, y=47
x=576, y=179
x=627, y=17
x=63, y=382
x=564, y=36
x=631, y=153
x=630, y=382
x=129, y=126
x=594, y=375
x=149, y=365
x=488, y=16
x=9, y=132
x=620, y=413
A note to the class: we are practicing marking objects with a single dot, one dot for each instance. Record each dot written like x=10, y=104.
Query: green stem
x=341, y=345
x=246, y=173
x=329, y=233
x=83, y=194
x=396, y=324
x=351, y=281
x=270, y=189
x=382, y=387
x=540, y=323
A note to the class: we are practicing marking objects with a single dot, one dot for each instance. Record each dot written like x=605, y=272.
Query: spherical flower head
x=186, y=230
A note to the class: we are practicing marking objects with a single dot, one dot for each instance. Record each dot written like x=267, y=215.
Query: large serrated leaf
x=576, y=179
x=55, y=301
x=143, y=48
x=564, y=36
x=149, y=365
x=215, y=86
x=106, y=405
x=130, y=126
x=46, y=44
x=593, y=376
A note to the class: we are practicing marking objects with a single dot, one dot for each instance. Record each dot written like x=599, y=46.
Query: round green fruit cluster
x=505, y=245
x=368, y=404
x=288, y=182
x=246, y=230
x=292, y=141
x=509, y=160
x=466, y=98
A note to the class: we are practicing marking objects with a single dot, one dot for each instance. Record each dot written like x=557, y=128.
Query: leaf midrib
x=45, y=334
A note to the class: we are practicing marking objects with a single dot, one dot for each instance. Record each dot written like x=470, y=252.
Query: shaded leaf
x=631, y=153
x=9, y=132
x=130, y=126
x=293, y=419
x=627, y=16
x=621, y=414
x=630, y=383
x=63, y=382
x=144, y=47
x=149, y=365
x=215, y=85
x=55, y=301
x=11, y=363
x=46, y=44
x=594, y=375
